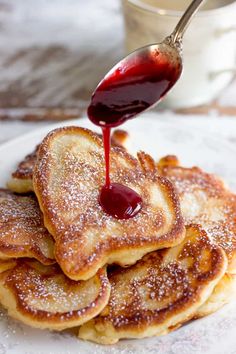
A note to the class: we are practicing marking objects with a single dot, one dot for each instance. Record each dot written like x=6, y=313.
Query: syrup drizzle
x=117, y=200
x=122, y=95
x=106, y=133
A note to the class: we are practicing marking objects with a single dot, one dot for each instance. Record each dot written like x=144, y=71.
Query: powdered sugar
x=205, y=201
x=46, y=293
x=22, y=229
x=161, y=285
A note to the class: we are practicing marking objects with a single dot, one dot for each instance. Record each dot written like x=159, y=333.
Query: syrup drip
x=117, y=200
x=122, y=95
x=120, y=201
x=106, y=133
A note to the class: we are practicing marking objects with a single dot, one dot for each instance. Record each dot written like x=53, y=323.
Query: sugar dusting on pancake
x=22, y=231
x=160, y=292
x=205, y=200
x=43, y=297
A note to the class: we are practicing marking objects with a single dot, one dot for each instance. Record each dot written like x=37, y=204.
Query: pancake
x=160, y=292
x=68, y=176
x=43, y=297
x=205, y=200
x=21, y=178
x=22, y=231
x=224, y=292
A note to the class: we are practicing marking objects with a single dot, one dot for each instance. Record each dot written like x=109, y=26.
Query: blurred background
x=53, y=54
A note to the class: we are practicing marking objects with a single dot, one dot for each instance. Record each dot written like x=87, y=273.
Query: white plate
x=213, y=334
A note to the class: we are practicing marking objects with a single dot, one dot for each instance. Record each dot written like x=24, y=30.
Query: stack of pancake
x=65, y=263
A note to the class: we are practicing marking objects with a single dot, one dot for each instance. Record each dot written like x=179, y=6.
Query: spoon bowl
x=135, y=84
x=140, y=80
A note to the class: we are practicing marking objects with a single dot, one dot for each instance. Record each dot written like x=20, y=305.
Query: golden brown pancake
x=160, y=292
x=206, y=201
x=21, y=178
x=43, y=297
x=22, y=232
x=68, y=176
x=224, y=292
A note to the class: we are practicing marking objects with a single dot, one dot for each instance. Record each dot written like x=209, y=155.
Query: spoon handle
x=185, y=20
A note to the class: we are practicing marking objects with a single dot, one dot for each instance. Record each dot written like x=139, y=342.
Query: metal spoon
x=142, y=78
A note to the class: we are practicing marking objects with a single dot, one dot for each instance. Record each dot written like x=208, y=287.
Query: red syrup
x=124, y=93
x=120, y=201
x=117, y=200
